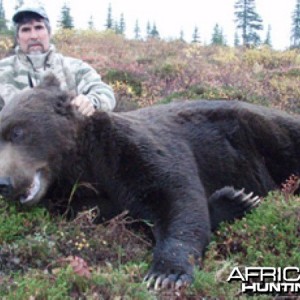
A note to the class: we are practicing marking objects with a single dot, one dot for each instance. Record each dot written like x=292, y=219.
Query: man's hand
x=83, y=105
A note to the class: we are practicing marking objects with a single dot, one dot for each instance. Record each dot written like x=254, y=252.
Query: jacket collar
x=26, y=60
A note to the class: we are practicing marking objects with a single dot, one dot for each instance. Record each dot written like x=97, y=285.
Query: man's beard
x=36, y=48
x=36, y=52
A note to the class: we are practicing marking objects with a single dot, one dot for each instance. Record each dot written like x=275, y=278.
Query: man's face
x=33, y=37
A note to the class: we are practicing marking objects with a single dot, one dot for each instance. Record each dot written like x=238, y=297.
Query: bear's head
x=38, y=129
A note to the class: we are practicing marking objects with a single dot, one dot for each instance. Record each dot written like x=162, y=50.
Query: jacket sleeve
x=10, y=83
x=89, y=83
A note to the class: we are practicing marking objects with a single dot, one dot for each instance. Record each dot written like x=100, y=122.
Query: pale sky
x=172, y=16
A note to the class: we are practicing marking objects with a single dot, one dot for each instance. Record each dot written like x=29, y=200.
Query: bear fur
x=184, y=167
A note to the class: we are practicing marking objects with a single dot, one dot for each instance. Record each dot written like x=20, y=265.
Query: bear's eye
x=16, y=134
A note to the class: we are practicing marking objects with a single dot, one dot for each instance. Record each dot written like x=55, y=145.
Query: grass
x=47, y=257
x=267, y=237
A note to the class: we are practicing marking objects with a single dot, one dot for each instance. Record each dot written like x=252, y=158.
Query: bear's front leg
x=181, y=238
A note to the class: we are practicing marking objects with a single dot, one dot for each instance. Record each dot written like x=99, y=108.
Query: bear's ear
x=50, y=81
x=62, y=104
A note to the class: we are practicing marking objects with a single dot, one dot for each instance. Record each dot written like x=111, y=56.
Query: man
x=35, y=56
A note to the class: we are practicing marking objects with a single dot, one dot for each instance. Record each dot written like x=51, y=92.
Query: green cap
x=20, y=12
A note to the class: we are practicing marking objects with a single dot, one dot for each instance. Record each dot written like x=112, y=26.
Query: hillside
x=153, y=71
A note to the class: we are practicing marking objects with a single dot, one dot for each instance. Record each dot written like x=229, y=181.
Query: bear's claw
x=227, y=204
x=251, y=201
x=159, y=282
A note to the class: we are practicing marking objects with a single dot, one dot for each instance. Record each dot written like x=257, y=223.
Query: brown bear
x=184, y=167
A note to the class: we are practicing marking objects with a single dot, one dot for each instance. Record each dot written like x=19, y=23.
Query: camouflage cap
x=20, y=12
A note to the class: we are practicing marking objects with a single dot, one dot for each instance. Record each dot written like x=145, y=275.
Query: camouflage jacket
x=74, y=75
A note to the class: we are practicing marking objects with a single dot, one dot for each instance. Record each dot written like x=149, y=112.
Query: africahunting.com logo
x=267, y=280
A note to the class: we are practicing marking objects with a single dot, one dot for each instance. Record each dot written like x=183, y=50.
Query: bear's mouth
x=33, y=190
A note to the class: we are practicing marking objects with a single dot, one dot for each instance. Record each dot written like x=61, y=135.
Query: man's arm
x=89, y=84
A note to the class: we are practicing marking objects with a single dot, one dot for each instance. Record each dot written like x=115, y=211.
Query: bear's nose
x=5, y=186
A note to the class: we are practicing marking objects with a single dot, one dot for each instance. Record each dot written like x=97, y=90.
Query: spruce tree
x=248, y=22
x=236, y=39
x=109, y=19
x=154, y=32
x=196, y=36
x=116, y=28
x=91, y=25
x=137, y=30
x=3, y=25
x=66, y=20
x=218, y=36
x=122, y=25
x=148, y=29
x=19, y=3
x=268, y=41
x=181, y=36
x=295, y=34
